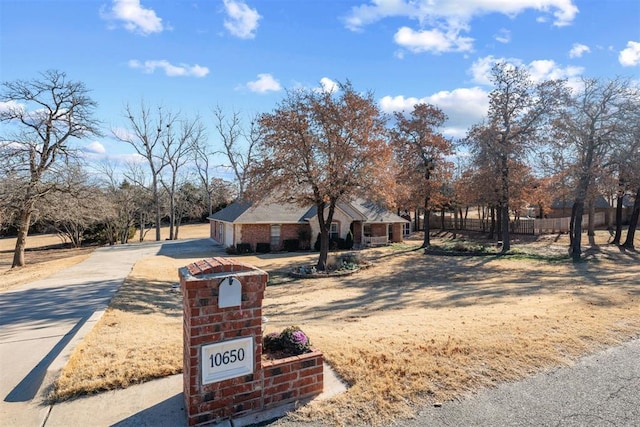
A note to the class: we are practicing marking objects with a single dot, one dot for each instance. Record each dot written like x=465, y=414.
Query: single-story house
x=273, y=223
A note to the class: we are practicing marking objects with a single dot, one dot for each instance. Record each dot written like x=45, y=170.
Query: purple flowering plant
x=291, y=340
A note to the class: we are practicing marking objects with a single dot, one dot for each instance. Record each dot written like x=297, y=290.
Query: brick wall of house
x=378, y=229
x=292, y=231
x=397, y=232
x=255, y=233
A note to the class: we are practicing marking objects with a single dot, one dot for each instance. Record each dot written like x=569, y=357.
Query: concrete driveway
x=41, y=322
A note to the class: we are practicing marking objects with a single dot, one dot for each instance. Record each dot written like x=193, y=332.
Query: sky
x=193, y=55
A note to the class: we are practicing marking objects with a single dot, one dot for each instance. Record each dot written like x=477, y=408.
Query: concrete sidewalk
x=156, y=403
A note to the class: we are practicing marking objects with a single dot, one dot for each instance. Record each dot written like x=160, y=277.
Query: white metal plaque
x=227, y=359
x=229, y=293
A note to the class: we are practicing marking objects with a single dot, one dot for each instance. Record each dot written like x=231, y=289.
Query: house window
x=275, y=236
x=390, y=232
x=406, y=229
x=334, y=231
x=367, y=230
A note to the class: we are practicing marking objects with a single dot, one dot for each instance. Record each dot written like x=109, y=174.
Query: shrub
x=304, y=235
x=243, y=248
x=294, y=341
x=349, y=241
x=263, y=248
x=291, y=245
x=290, y=341
x=351, y=258
x=271, y=342
x=333, y=263
x=231, y=250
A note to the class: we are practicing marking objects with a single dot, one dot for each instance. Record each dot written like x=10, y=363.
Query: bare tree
x=147, y=134
x=239, y=144
x=420, y=151
x=178, y=149
x=78, y=207
x=518, y=109
x=322, y=147
x=589, y=128
x=130, y=200
x=43, y=116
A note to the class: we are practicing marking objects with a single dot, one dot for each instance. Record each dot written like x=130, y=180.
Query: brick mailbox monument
x=224, y=374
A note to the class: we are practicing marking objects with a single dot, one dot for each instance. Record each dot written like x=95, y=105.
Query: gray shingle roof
x=283, y=213
x=265, y=213
x=601, y=203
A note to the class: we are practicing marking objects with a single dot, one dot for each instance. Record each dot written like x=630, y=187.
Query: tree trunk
x=442, y=225
x=21, y=241
x=172, y=216
x=142, y=232
x=156, y=199
x=324, y=224
x=576, y=232
x=618, y=235
x=591, y=232
x=426, y=242
x=504, y=223
x=633, y=223
x=492, y=227
x=324, y=250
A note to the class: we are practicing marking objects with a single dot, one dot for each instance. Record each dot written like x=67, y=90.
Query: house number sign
x=227, y=359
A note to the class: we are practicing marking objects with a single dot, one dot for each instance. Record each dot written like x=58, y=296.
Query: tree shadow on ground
x=148, y=297
x=452, y=282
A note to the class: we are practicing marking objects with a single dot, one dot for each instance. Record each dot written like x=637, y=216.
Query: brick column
x=205, y=323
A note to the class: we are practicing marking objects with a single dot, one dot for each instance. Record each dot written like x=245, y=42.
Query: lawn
x=412, y=329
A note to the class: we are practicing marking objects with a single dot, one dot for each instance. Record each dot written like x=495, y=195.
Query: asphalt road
x=600, y=390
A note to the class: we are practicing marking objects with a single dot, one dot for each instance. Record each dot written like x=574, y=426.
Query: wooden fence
x=561, y=225
x=520, y=226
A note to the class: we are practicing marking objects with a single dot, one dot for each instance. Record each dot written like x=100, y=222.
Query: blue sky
x=192, y=55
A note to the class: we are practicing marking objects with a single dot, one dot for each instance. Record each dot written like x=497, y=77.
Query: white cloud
x=578, y=49
x=503, y=36
x=545, y=69
x=134, y=17
x=265, y=83
x=481, y=69
x=242, y=21
x=432, y=41
x=328, y=85
x=11, y=106
x=95, y=147
x=539, y=70
x=630, y=56
x=455, y=12
x=181, y=70
x=442, y=21
x=463, y=107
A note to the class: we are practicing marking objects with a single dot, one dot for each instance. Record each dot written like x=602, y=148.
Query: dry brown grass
x=411, y=329
x=47, y=254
